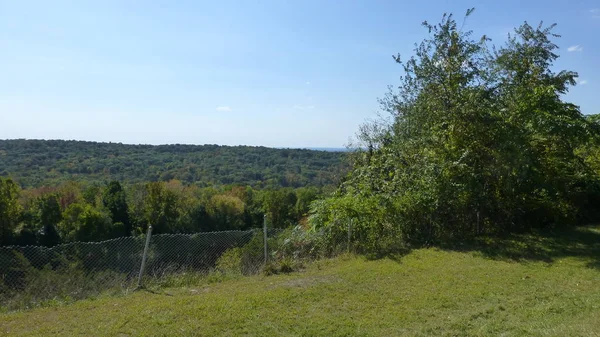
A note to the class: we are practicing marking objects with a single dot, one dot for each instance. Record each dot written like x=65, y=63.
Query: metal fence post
x=265, y=237
x=148, y=235
x=349, y=234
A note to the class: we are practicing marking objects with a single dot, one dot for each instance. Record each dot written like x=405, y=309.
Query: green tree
x=160, y=207
x=279, y=205
x=91, y=194
x=226, y=212
x=10, y=210
x=49, y=215
x=136, y=196
x=304, y=197
x=477, y=141
x=545, y=130
x=115, y=200
x=83, y=222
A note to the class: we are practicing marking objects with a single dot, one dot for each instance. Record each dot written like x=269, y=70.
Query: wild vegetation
x=478, y=141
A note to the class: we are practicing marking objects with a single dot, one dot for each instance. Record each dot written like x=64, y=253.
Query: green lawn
x=522, y=286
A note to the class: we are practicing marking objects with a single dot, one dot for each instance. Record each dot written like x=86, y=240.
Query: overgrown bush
x=230, y=262
x=478, y=142
x=373, y=228
x=299, y=244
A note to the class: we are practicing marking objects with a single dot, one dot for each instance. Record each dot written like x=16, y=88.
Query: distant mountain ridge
x=35, y=163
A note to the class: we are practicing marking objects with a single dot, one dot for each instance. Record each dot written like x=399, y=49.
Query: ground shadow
x=542, y=245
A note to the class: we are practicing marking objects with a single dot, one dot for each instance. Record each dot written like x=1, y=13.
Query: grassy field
x=531, y=285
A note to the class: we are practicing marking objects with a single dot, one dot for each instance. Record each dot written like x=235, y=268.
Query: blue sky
x=273, y=73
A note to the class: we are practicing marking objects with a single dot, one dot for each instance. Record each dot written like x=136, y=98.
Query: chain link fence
x=32, y=275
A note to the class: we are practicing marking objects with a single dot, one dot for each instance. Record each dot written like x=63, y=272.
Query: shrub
x=230, y=262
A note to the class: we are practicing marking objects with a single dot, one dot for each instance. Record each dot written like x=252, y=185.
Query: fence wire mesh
x=33, y=275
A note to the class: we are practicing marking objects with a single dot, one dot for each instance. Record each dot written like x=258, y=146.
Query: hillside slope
x=537, y=286
x=38, y=162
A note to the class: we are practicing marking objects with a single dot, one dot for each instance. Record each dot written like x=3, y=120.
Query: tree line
x=35, y=163
x=93, y=212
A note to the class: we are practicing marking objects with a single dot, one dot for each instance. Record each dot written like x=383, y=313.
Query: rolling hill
x=34, y=163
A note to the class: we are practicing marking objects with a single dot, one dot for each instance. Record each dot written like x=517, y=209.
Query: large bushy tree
x=115, y=199
x=477, y=140
x=161, y=207
x=84, y=222
x=49, y=215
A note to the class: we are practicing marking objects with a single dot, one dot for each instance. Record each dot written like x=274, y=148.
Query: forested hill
x=33, y=163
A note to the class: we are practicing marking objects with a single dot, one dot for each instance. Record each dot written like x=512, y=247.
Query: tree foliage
x=114, y=199
x=10, y=209
x=478, y=140
x=73, y=212
x=35, y=163
x=83, y=222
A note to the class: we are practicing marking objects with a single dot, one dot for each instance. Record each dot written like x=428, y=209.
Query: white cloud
x=575, y=48
x=595, y=13
x=307, y=82
x=582, y=82
x=224, y=108
x=304, y=107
